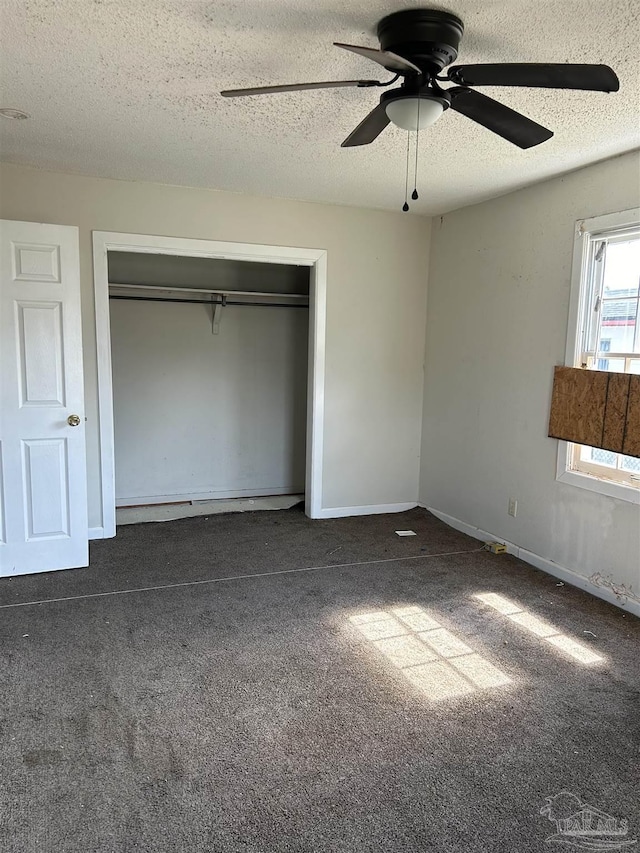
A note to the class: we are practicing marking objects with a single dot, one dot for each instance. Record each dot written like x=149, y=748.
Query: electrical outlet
x=513, y=507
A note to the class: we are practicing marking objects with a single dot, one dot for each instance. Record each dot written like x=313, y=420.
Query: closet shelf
x=159, y=288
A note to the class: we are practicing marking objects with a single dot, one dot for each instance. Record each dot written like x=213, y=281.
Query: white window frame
x=585, y=230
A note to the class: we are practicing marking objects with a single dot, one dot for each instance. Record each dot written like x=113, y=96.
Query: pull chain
x=405, y=206
x=414, y=194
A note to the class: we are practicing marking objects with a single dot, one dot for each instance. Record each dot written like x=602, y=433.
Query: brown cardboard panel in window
x=615, y=415
x=596, y=408
x=578, y=405
x=631, y=445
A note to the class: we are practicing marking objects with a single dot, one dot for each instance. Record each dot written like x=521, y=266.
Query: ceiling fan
x=416, y=45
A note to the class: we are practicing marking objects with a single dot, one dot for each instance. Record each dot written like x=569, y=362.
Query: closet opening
x=210, y=374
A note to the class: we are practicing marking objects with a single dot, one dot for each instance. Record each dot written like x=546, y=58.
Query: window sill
x=604, y=487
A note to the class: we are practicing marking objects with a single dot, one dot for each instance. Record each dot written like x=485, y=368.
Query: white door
x=43, y=487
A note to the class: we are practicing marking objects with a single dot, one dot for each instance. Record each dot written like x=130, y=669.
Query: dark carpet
x=371, y=707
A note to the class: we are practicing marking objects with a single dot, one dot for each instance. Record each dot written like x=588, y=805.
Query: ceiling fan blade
x=388, y=60
x=369, y=128
x=296, y=87
x=507, y=123
x=595, y=78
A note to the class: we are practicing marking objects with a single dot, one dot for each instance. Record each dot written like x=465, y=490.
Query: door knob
x=73, y=420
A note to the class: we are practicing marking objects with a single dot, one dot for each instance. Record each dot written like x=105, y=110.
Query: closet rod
x=210, y=301
x=179, y=287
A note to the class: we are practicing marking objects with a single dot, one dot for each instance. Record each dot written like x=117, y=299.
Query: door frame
x=316, y=259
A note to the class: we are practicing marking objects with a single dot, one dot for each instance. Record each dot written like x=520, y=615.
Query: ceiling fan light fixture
x=414, y=113
x=418, y=44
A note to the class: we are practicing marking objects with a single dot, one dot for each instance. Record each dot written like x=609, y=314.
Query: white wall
x=499, y=284
x=201, y=416
x=377, y=275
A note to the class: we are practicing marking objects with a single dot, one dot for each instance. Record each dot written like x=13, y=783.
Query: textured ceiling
x=129, y=89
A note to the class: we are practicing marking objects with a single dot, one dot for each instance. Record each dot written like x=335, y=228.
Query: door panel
x=45, y=485
x=40, y=339
x=3, y=535
x=43, y=482
x=36, y=262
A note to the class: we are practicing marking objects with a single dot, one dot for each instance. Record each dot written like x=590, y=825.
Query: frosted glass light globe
x=414, y=113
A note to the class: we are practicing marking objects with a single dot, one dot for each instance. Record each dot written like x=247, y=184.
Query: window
x=605, y=346
x=604, y=334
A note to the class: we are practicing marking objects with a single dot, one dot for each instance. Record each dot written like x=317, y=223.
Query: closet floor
x=190, y=509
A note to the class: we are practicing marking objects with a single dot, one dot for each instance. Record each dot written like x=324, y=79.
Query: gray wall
x=199, y=415
x=499, y=285
x=376, y=303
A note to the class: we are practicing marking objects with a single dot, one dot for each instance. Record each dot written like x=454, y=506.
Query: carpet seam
x=233, y=577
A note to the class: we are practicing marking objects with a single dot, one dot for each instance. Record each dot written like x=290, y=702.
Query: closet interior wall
x=209, y=361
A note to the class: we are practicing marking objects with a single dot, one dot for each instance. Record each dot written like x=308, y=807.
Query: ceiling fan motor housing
x=425, y=93
x=427, y=37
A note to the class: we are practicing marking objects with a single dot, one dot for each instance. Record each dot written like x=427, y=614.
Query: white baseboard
x=96, y=533
x=373, y=509
x=555, y=569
